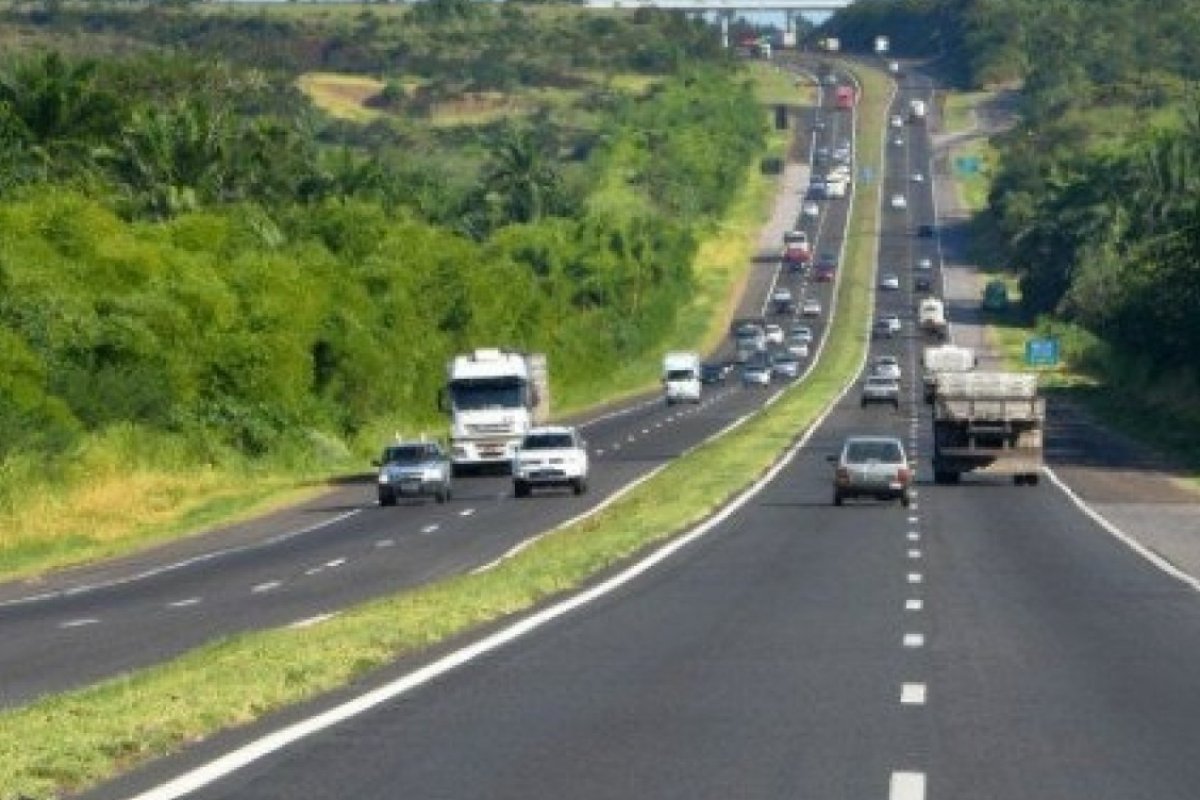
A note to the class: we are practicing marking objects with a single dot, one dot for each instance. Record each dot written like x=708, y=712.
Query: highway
x=67, y=631
x=990, y=643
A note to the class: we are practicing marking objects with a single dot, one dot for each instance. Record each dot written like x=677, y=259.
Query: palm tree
x=521, y=174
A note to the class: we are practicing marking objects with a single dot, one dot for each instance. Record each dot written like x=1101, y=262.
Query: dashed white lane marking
x=913, y=505
x=914, y=604
x=466, y=512
x=907, y=786
x=307, y=623
x=914, y=640
x=915, y=577
x=631, y=438
x=912, y=694
x=913, y=536
x=914, y=520
x=386, y=543
x=616, y=446
x=314, y=571
x=266, y=587
x=190, y=601
x=646, y=431
x=180, y=565
x=914, y=554
x=337, y=562
x=79, y=623
x=430, y=528
x=599, y=452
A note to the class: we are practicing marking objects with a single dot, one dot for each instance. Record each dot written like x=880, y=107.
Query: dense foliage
x=1096, y=197
x=191, y=249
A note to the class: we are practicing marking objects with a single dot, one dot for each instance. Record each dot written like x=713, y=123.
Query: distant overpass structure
x=729, y=6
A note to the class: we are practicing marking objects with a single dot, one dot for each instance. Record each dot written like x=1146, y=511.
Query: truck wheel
x=443, y=494
x=1032, y=480
x=837, y=498
x=579, y=485
x=387, y=499
x=520, y=488
x=905, y=500
x=944, y=477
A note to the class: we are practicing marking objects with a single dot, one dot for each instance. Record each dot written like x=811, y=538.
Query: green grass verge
x=75, y=740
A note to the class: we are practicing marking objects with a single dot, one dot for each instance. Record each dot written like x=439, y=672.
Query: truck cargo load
x=988, y=422
x=916, y=110
x=944, y=358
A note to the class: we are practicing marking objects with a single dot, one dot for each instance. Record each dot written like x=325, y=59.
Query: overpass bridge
x=729, y=6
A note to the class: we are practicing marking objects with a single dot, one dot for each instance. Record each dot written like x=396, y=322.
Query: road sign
x=1041, y=352
x=967, y=165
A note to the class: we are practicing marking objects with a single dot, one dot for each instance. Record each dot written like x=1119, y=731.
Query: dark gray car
x=413, y=469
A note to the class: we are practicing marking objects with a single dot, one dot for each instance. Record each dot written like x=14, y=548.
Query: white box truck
x=916, y=110
x=494, y=397
x=681, y=378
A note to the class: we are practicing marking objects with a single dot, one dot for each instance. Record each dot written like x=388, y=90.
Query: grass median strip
x=78, y=739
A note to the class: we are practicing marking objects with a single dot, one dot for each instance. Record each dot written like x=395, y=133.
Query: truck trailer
x=988, y=422
x=944, y=358
x=493, y=397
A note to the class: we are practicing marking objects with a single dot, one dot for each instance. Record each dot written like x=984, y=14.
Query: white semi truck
x=494, y=397
x=681, y=378
x=931, y=318
x=989, y=422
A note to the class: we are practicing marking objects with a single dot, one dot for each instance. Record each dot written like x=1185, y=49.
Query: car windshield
x=680, y=375
x=406, y=454
x=859, y=452
x=877, y=381
x=547, y=441
x=488, y=393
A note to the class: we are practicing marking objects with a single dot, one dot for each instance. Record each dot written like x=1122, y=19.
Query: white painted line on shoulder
x=907, y=786
x=912, y=694
x=237, y=759
x=915, y=577
x=190, y=601
x=913, y=520
x=266, y=587
x=914, y=604
x=79, y=623
x=308, y=623
x=914, y=640
x=1133, y=544
x=178, y=565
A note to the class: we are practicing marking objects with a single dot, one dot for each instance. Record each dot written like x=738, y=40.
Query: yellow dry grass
x=342, y=96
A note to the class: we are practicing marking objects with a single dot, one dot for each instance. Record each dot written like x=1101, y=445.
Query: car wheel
x=579, y=485
x=1031, y=479
x=387, y=499
x=520, y=488
x=1018, y=480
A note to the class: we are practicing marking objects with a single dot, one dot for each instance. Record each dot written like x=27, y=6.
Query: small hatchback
x=872, y=466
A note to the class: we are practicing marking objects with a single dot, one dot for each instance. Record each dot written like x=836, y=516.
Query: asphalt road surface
x=988, y=643
x=72, y=629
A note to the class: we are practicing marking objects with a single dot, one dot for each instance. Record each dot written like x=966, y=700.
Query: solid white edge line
x=1154, y=558
x=231, y=762
x=165, y=568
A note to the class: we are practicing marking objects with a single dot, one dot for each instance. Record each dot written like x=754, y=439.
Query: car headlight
x=432, y=474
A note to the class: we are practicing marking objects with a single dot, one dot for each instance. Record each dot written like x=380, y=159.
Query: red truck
x=845, y=97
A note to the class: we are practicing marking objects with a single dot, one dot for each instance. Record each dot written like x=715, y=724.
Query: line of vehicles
x=499, y=400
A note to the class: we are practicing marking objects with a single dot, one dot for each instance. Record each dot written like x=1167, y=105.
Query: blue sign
x=867, y=174
x=1041, y=352
x=967, y=165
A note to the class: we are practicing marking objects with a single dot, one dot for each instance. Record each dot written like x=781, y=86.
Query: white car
x=890, y=281
x=886, y=367
x=550, y=456
x=811, y=307
x=888, y=325
x=797, y=347
x=811, y=210
x=898, y=201
x=757, y=372
x=918, y=177
x=897, y=121
x=774, y=334
x=924, y=264
x=782, y=294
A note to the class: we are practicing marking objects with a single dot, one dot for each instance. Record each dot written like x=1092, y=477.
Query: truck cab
x=493, y=397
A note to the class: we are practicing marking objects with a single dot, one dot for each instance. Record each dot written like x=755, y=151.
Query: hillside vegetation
x=1095, y=202
x=203, y=273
